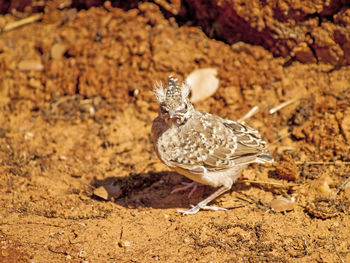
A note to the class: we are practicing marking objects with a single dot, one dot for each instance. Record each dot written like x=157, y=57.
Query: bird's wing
x=213, y=143
x=250, y=146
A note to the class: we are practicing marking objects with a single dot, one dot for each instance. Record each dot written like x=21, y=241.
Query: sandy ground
x=76, y=109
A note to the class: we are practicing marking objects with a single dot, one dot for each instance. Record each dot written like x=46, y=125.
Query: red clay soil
x=76, y=109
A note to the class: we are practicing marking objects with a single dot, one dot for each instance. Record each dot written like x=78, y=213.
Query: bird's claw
x=195, y=209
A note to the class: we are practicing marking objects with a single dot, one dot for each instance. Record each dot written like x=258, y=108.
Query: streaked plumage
x=202, y=146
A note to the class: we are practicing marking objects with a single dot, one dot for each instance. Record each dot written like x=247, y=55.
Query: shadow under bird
x=201, y=146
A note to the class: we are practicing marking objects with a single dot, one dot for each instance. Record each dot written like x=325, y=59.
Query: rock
x=101, y=192
x=287, y=169
x=108, y=191
x=203, y=83
x=303, y=53
x=124, y=243
x=58, y=50
x=30, y=64
x=281, y=204
x=321, y=186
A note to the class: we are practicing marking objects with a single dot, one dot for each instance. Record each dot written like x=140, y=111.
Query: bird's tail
x=264, y=158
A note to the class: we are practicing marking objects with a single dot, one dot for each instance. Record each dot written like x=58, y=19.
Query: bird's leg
x=203, y=204
x=192, y=185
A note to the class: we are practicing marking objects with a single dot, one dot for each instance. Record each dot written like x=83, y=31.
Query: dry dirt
x=76, y=108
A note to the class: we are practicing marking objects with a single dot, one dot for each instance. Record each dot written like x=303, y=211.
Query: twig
x=22, y=22
x=336, y=251
x=244, y=199
x=304, y=244
x=340, y=187
x=284, y=104
x=261, y=182
x=280, y=139
x=234, y=207
x=254, y=110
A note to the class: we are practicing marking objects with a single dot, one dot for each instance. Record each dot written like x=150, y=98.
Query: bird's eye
x=163, y=110
x=184, y=109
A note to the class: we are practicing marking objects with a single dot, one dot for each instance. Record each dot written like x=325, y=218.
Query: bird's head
x=174, y=103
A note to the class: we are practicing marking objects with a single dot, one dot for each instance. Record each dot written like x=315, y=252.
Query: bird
x=204, y=147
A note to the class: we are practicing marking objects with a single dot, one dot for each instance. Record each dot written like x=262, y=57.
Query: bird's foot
x=192, y=185
x=196, y=208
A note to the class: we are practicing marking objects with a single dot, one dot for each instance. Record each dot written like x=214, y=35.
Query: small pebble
x=62, y=158
x=28, y=135
x=58, y=50
x=287, y=169
x=321, y=186
x=108, y=191
x=101, y=192
x=335, y=224
x=28, y=65
x=82, y=254
x=281, y=204
x=123, y=243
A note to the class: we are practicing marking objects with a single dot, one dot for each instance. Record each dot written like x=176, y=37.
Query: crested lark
x=201, y=146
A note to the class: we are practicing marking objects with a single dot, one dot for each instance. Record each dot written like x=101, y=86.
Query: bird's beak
x=173, y=115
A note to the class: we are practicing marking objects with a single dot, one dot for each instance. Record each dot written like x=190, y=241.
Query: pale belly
x=214, y=179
